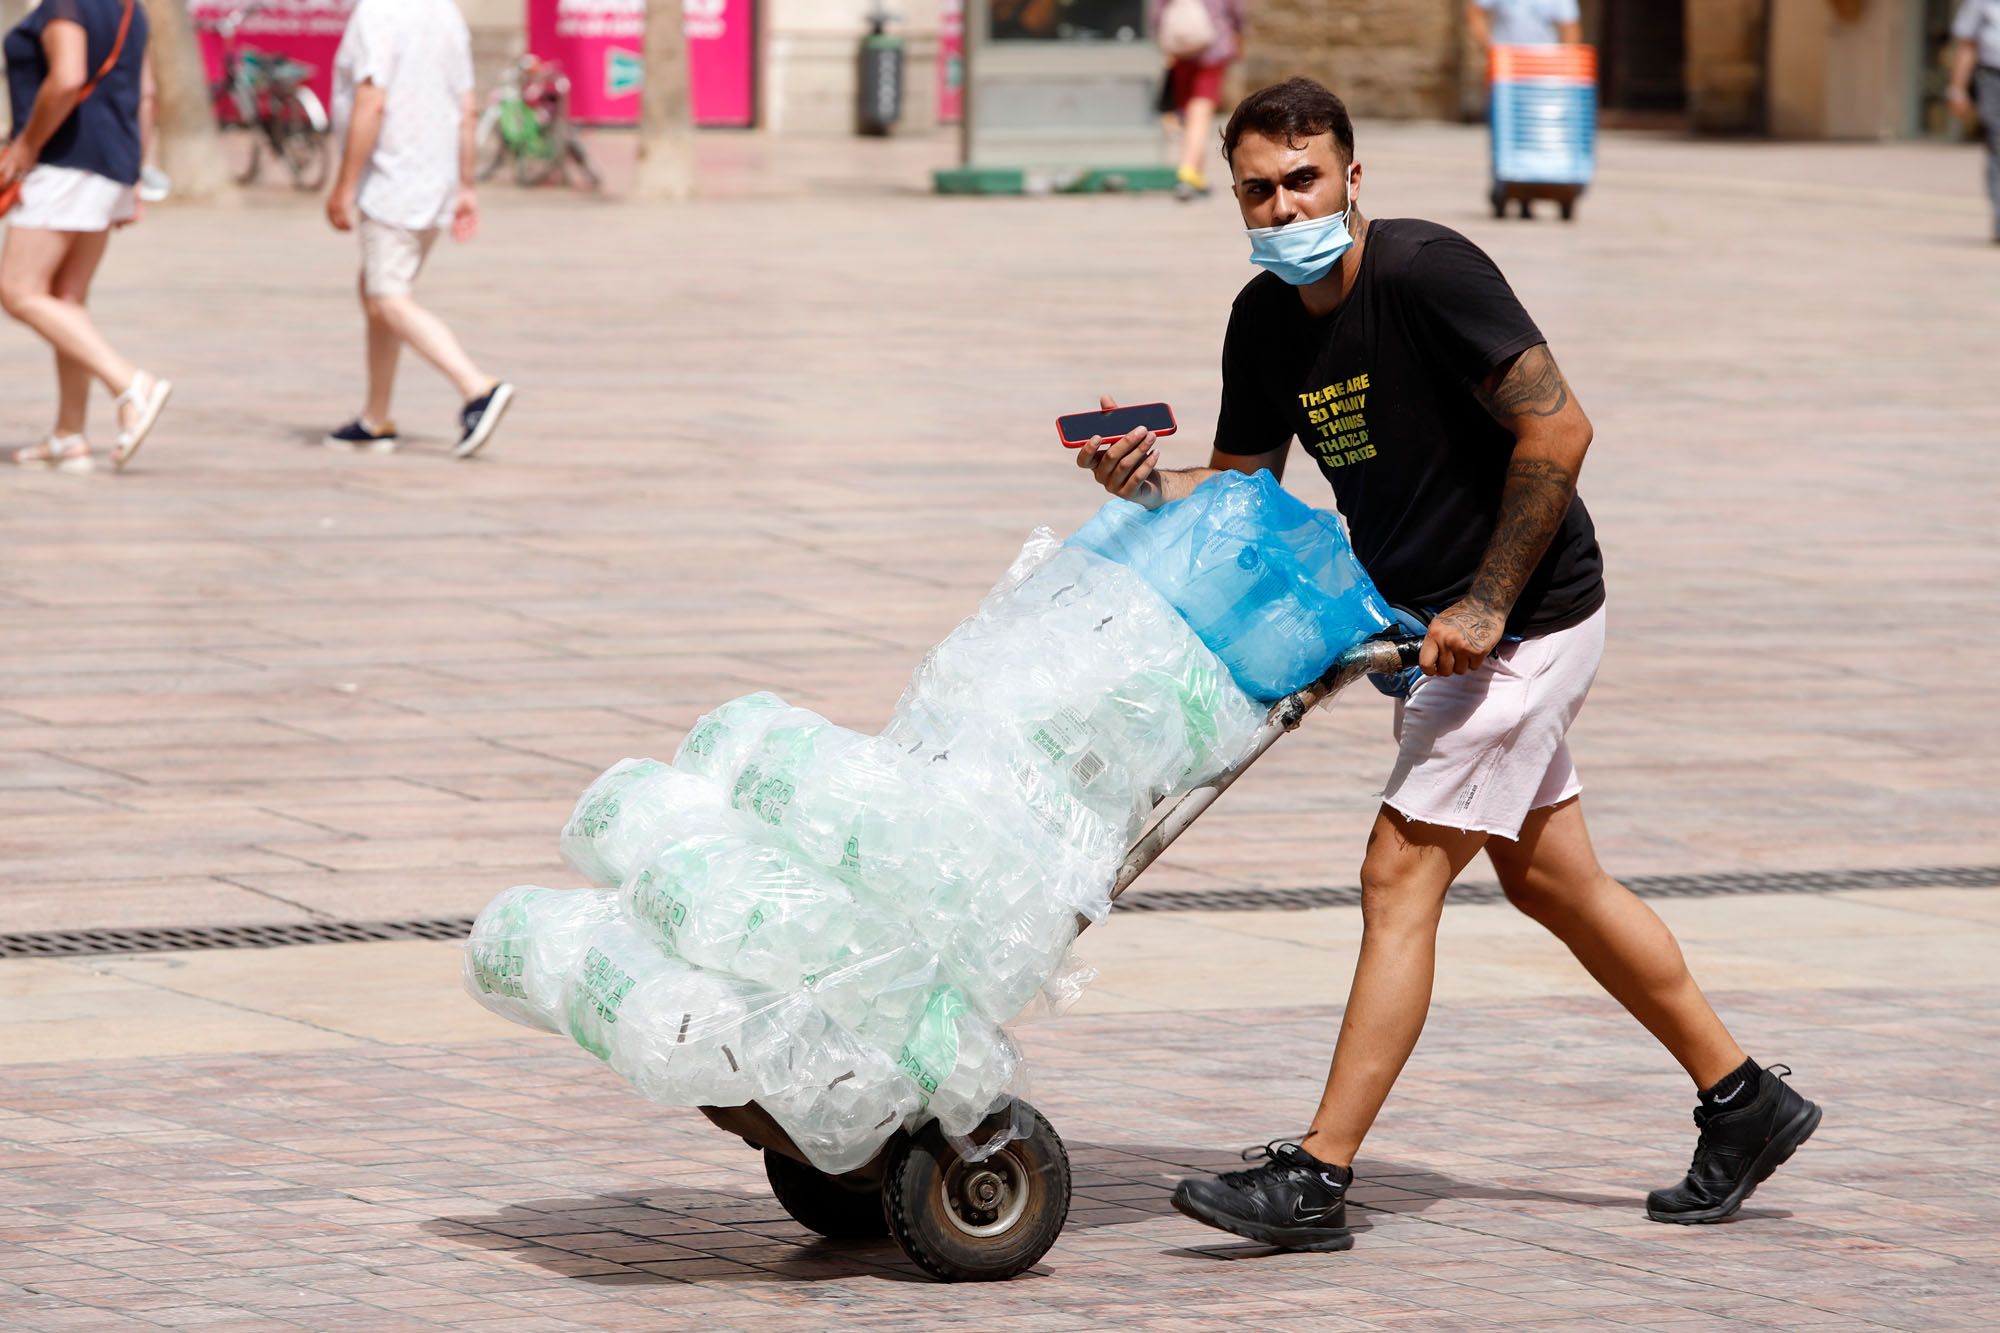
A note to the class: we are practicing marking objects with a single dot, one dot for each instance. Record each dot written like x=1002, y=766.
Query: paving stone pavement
x=784, y=437
x=515, y=1185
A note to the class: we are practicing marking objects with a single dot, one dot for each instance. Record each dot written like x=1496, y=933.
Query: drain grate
x=1646, y=886
x=163, y=939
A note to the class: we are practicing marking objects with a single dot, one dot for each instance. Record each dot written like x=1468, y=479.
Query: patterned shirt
x=419, y=53
x=1978, y=22
x=1528, y=22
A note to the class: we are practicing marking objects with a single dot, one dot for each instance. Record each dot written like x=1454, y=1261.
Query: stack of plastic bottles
x=835, y=925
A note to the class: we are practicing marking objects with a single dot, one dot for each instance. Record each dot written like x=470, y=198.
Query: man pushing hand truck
x=1400, y=357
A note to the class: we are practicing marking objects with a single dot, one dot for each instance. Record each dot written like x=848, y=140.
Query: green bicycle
x=527, y=122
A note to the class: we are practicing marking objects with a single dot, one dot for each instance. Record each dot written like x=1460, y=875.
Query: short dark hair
x=1289, y=112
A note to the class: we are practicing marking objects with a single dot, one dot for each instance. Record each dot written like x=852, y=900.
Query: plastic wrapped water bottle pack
x=836, y=925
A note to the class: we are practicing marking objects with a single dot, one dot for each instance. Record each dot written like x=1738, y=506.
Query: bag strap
x=110, y=61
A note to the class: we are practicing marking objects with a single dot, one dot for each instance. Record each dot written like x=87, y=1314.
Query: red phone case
x=1172, y=426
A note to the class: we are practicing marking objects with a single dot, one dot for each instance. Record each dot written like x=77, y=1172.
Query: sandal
x=149, y=403
x=65, y=453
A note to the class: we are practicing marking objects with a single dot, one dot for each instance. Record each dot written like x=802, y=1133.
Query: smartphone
x=1076, y=429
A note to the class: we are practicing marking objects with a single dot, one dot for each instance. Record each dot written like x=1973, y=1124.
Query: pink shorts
x=1479, y=751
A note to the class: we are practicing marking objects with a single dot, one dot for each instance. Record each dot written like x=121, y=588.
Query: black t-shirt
x=1380, y=392
x=102, y=135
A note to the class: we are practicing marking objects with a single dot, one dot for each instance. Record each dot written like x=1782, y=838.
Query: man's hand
x=1460, y=638
x=465, y=216
x=15, y=162
x=1125, y=466
x=340, y=207
x=1960, y=102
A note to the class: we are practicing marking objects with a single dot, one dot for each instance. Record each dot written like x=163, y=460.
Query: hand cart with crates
x=1542, y=111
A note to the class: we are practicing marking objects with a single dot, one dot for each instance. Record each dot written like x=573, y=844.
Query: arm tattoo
x=1533, y=503
x=1530, y=387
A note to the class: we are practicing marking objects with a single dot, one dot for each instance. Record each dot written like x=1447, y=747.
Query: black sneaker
x=481, y=417
x=1293, y=1201
x=1740, y=1147
x=358, y=434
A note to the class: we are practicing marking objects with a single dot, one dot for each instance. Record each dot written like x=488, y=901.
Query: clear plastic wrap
x=961, y=1063
x=523, y=946
x=1086, y=686
x=631, y=806
x=678, y=1033
x=836, y=925
x=722, y=901
x=843, y=1099
x=717, y=745
x=1267, y=582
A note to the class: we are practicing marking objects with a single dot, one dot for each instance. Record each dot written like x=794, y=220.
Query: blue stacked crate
x=1543, y=115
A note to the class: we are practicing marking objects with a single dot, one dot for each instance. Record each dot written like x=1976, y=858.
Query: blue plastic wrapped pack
x=1267, y=582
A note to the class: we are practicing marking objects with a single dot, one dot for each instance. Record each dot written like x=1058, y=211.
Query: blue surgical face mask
x=1304, y=251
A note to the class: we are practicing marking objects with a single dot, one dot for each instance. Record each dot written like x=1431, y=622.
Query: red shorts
x=1192, y=80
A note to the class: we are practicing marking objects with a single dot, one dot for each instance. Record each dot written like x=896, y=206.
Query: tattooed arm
x=1529, y=397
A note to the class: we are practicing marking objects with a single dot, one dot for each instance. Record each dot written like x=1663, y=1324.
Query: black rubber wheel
x=984, y=1221
x=1527, y=208
x=1568, y=208
x=1499, y=200
x=823, y=1203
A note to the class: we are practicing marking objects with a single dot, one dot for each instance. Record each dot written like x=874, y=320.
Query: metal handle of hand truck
x=1172, y=816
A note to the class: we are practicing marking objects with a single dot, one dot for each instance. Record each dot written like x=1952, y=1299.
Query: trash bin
x=879, y=88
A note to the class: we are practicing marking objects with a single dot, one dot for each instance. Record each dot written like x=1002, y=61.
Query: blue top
x=102, y=135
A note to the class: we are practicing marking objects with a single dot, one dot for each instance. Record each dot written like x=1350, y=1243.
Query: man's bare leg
x=432, y=340
x=385, y=349
x=1551, y=873
x=1404, y=876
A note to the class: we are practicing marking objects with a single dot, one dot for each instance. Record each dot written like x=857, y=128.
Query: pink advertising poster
x=600, y=44
x=307, y=30
x=951, y=62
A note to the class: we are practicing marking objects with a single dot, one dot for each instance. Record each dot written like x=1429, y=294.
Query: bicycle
x=527, y=121
x=266, y=94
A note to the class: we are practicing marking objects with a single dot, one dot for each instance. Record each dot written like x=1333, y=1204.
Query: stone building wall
x=1395, y=59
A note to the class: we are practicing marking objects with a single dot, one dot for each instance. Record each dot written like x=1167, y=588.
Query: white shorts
x=1479, y=751
x=72, y=199
x=392, y=256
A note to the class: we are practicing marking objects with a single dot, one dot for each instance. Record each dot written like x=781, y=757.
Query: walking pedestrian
x=1201, y=38
x=1396, y=352
x=1523, y=22
x=1975, y=83
x=403, y=109
x=74, y=82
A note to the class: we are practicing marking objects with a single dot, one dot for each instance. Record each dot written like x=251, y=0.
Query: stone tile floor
x=514, y=1185
x=252, y=681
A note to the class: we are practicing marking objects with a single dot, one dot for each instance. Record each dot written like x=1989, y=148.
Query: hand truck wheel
x=823, y=1203
x=982, y=1221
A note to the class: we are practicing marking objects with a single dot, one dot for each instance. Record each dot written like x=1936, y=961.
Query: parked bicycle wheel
x=581, y=161
x=489, y=146
x=296, y=135
x=532, y=169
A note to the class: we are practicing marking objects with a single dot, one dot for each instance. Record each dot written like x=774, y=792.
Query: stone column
x=1725, y=66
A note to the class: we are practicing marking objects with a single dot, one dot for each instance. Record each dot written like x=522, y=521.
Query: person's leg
x=430, y=338
x=1551, y=874
x=385, y=349
x=1986, y=85
x=1197, y=121
x=28, y=266
x=1404, y=876
x=72, y=284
